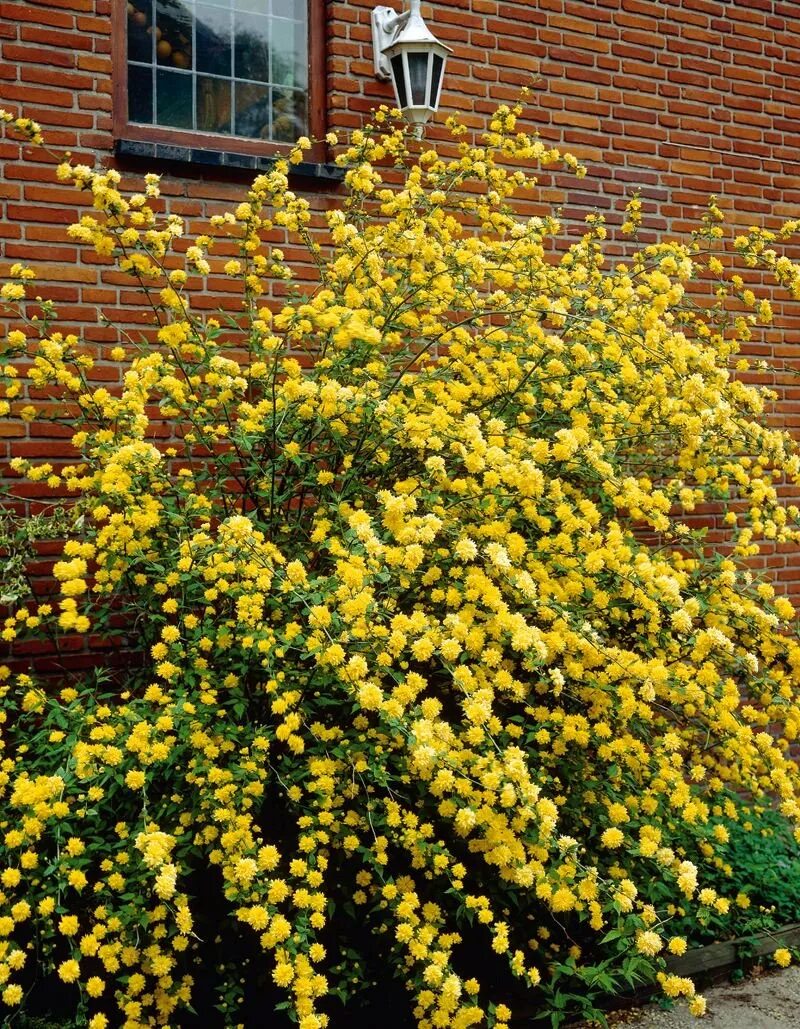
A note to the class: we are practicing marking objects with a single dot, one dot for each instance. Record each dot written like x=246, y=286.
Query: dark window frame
x=124, y=129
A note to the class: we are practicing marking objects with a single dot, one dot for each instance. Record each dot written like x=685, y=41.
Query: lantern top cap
x=415, y=31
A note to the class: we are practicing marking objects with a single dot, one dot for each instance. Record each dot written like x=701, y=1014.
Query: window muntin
x=233, y=67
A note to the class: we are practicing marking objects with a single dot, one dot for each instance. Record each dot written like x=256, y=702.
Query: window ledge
x=328, y=173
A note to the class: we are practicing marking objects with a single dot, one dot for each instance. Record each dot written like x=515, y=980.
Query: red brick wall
x=682, y=98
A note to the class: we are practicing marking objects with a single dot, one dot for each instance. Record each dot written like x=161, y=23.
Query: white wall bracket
x=386, y=23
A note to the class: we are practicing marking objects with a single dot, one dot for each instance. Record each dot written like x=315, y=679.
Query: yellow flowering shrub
x=430, y=669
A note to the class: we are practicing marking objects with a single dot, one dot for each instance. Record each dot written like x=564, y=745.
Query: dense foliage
x=761, y=875
x=434, y=674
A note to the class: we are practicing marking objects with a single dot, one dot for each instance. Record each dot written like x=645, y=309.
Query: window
x=235, y=75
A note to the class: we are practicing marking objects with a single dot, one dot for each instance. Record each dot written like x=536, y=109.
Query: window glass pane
x=252, y=47
x=140, y=31
x=174, y=105
x=252, y=110
x=289, y=9
x=213, y=40
x=173, y=34
x=213, y=104
x=223, y=66
x=140, y=93
x=289, y=53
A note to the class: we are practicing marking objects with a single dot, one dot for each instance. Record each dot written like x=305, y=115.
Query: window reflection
x=252, y=47
x=173, y=33
x=213, y=40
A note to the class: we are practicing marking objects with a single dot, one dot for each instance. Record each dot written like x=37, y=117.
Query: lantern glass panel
x=436, y=79
x=418, y=76
x=399, y=75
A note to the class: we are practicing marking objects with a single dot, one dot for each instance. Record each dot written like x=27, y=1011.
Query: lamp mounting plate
x=385, y=25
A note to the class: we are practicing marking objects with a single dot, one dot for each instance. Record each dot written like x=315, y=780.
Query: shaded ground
x=768, y=1002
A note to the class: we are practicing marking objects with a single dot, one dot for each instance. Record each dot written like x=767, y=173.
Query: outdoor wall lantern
x=407, y=52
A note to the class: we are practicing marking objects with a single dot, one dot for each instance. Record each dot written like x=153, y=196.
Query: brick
x=36, y=13
x=55, y=38
x=28, y=95
x=64, y=80
x=37, y=55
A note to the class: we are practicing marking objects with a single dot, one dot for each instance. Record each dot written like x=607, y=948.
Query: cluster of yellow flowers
x=427, y=648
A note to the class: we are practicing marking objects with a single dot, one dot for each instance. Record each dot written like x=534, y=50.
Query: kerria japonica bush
x=435, y=681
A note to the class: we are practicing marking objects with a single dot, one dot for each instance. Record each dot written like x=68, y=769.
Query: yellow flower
x=69, y=970
x=135, y=779
x=12, y=995
x=95, y=986
x=77, y=879
x=612, y=838
x=12, y=291
x=648, y=943
x=283, y=974
x=562, y=900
